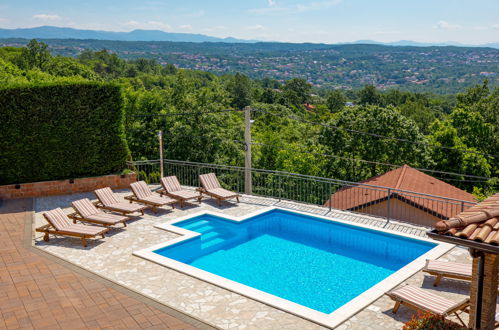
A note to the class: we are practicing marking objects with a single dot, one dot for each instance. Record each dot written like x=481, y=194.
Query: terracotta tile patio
x=37, y=292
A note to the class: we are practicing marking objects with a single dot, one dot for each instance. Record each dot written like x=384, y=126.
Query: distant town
x=437, y=69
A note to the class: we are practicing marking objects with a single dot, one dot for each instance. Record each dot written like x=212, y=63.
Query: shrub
x=428, y=321
x=61, y=130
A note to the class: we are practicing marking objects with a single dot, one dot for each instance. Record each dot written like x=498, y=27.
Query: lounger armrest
x=43, y=228
x=98, y=204
x=131, y=198
x=75, y=216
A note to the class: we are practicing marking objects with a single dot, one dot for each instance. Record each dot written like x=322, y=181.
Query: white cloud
x=294, y=9
x=495, y=26
x=150, y=25
x=257, y=27
x=186, y=27
x=214, y=28
x=47, y=17
x=447, y=26
x=4, y=20
x=132, y=23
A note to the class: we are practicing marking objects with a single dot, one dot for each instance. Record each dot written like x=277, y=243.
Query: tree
x=369, y=95
x=34, y=55
x=419, y=113
x=343, y=137
x=240, y=89
x=452, y=158
x=474, y=94
x=68, y=67
x=335, y=101
x=297, y=91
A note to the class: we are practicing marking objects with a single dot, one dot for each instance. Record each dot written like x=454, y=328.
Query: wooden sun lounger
x=448, y=269
x=172, y=188
x=142, y=194
x=421, y=300
x=108, y=201
x=60, y=224
x=87, y=212
x=211, y=187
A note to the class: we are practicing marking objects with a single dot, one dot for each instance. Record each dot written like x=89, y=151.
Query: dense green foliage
x=349, y=135
x=60, y=130
x=439, y=70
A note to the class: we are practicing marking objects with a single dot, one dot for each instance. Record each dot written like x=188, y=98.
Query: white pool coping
x=331, y=320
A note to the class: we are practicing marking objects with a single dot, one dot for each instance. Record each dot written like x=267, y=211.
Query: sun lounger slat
x=173, y=189
x=60, y=224
x=212, y=188
x=110, y=202
x=171, y=184
x=209, y=181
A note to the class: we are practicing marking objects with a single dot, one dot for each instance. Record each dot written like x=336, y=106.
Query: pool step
x=202, y=229
x=195, y=225
x=212, y=242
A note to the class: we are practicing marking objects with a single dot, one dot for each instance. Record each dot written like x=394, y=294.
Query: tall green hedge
x=60, y=131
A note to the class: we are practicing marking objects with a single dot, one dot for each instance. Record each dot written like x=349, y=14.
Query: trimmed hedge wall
x=61, y=131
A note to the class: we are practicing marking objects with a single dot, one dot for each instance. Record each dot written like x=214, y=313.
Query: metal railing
x=402, y=205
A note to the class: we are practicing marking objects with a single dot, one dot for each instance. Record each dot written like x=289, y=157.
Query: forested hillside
x=349, y=135
x=439, y=70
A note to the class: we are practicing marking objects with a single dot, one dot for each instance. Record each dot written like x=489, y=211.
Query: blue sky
x=329, y=21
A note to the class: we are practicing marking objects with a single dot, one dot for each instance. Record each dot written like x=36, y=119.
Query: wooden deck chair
x=421, y=300
x=143, y=194
x=108, y=201
x=85, y=211
x=171, y=188
x=211, y=187
x=60, y=224
x=448, y=269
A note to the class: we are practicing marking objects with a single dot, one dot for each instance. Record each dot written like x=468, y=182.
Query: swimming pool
x=301, y=263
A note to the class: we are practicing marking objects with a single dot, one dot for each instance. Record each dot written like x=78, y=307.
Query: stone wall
x=65, y=187
x=489, y=292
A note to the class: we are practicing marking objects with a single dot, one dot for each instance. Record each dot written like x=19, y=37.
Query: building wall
x=64, y=187
x=401, y=211
x=489, y=296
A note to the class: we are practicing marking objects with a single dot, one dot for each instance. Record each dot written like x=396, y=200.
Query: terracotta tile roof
x=309, y=106
x=408, y=179
x=479, y=223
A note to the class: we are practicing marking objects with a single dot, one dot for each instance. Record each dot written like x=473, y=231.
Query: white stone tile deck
x=112, y=259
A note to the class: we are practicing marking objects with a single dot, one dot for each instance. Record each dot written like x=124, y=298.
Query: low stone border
x=64, y=187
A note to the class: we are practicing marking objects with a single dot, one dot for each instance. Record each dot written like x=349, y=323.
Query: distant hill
x=423, y=44
x=53, y=32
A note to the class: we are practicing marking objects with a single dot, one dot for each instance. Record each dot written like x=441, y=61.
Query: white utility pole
x=247, y=156
x=160, y=136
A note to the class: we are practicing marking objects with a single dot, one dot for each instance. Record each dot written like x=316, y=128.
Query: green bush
x=61, y=130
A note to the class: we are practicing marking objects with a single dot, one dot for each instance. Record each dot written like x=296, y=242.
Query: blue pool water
x=316, y=263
